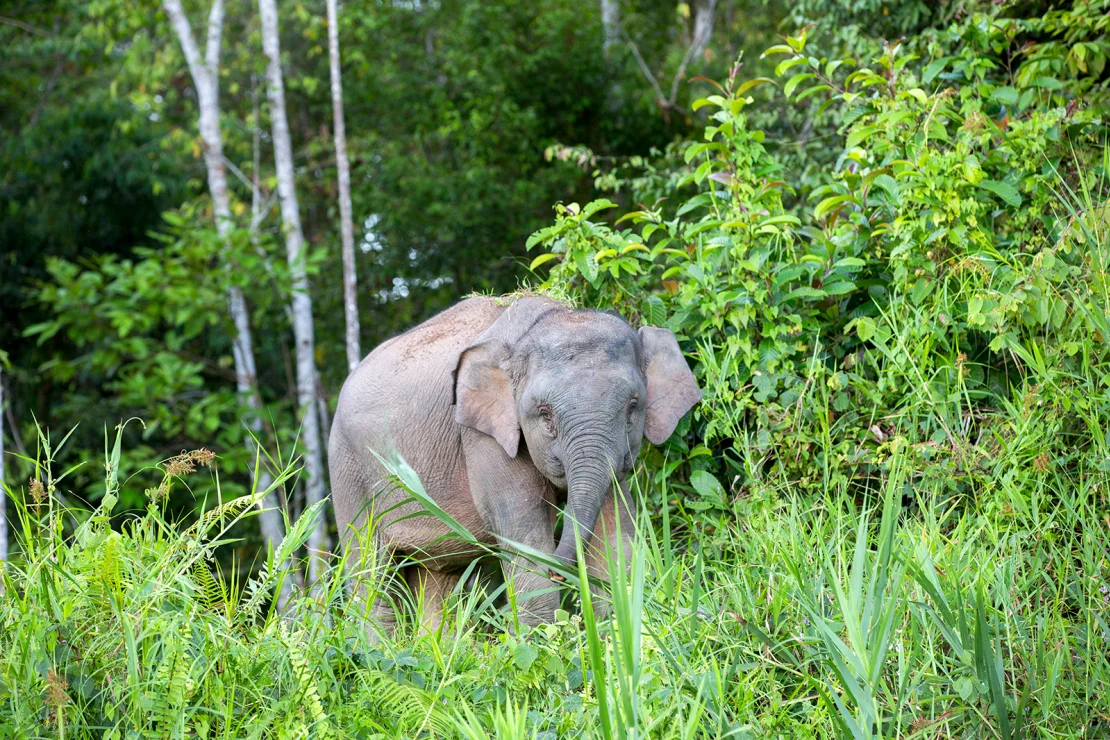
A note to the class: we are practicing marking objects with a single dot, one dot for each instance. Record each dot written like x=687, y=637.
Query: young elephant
x=504, y=410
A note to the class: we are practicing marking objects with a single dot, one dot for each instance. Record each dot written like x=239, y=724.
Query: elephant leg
x=516, y=502
x=430, y=589
x=536, y=597
x=370, y=564
x=602, y=549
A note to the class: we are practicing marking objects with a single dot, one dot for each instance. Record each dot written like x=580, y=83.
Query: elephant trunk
x=589, y=478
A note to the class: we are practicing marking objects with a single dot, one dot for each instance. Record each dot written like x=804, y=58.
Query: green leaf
x=839, y=288
x=524, y=655
x=1003, y=190
x=594, y=206
x=921, y=290
x=541, y=259
x=1049, y=83
x=829, y=204
x=786, y=64
x=781, y=219
x=795, y=81
x=857, y=136
x=655, y=312
x=544, y=234
x=918, y=94
x=694, y=150
x=776, y=49
x=934, y=69
x=811, y=91
x=706, y=484
x=891, y=186
x=751, y=84
x=805, y=292
x=972, y=170
x=587, y=266
x=1005, y=95
x=865, y=328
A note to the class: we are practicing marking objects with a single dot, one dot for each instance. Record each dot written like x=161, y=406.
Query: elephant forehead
x=584, y=345
x=587, y=382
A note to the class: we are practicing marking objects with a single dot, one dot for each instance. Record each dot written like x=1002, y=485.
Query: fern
x=110, y=567
x=307, y=692
x=413, y=708
x=258, y=588
x=209, y=591
x=167, y=699
x=233, y=508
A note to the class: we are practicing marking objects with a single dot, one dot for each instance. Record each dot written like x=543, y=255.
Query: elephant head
x=583, y=388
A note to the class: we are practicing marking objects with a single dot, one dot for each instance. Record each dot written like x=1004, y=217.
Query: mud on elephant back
x=506, y=409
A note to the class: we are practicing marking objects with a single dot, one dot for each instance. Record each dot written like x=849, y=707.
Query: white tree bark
x=3, y=496
x=205, y=74
x=302, y=300
x=705, y=14
x=610, y=23
x=346, y=224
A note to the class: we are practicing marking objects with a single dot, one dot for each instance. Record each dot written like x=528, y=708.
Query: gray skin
x=505, y=409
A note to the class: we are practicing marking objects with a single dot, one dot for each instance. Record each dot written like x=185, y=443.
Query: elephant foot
x=431, y=589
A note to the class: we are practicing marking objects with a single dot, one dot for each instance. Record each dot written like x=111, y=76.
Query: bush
x=938, y=292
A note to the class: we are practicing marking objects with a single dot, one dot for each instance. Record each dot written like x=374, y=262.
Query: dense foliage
x=937, y=289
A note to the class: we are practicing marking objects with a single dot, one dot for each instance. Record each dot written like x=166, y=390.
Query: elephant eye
x=632, y=404
x=547, y=415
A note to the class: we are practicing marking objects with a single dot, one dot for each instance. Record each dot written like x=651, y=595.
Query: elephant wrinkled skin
x=505, y=409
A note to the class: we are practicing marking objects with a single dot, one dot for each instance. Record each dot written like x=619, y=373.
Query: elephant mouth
x=556, y=473
x=558, y=478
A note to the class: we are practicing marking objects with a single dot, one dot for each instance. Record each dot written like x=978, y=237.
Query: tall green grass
x=851, y=616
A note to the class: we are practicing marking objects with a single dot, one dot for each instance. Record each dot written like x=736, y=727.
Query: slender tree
x=350, y=279
x=3, y=496
x=610, y=23
x=206, y=80
x=705, y=12
x=303, y=334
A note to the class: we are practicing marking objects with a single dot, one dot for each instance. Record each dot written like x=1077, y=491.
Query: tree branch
x=25, y=27
x=703, y=30
x=702, y=33
x=237, y=172
x=215, y=31
x=645, y=68
x=184, y=31
x=260, y=216
x=50, y=83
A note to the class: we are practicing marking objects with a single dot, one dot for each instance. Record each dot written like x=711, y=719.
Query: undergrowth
x=849, y=615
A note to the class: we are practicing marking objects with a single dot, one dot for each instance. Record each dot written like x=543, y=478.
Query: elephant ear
x=484, y=393
x=671, y=388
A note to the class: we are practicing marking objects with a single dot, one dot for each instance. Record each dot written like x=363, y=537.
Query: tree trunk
x=350, y=279
x=610, y=23
x=3, y=496
x=302, y=300
x=205, y=74
x=705, y=13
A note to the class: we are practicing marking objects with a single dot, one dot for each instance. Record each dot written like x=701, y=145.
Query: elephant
x=505, y=408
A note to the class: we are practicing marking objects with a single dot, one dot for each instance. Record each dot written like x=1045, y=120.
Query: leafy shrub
x=148, y=335
x=941, y=286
